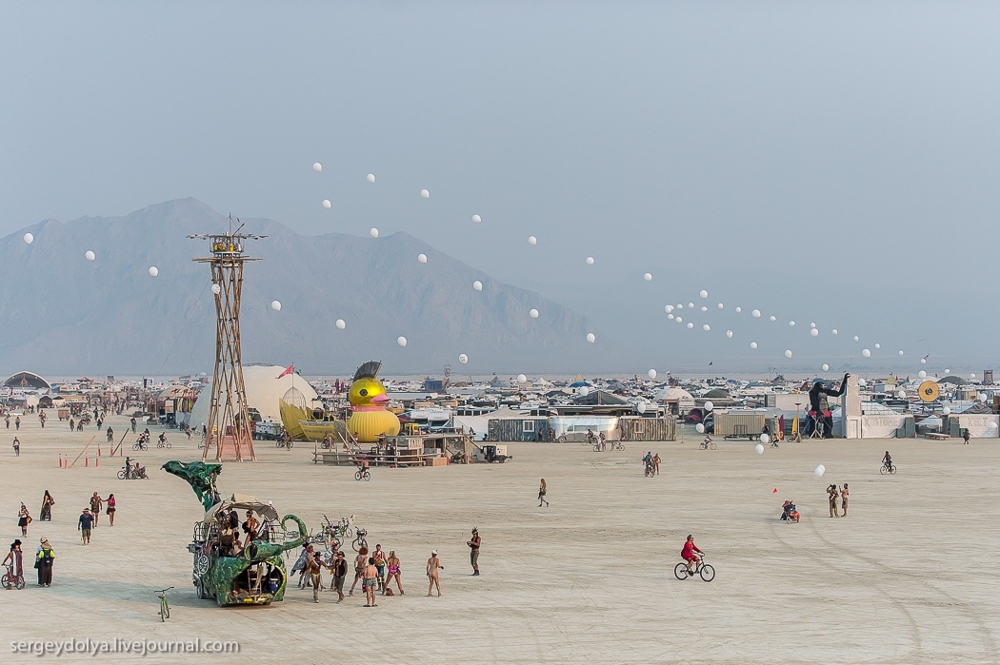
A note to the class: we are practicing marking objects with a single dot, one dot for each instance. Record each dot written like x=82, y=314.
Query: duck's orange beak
x=380, y=399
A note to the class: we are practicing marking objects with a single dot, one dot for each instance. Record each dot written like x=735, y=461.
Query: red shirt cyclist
x=688, y=554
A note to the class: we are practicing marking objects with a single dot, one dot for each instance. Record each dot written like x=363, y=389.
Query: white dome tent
x=264, y=390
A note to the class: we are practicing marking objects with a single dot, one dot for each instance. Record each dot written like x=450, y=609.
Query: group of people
x=228, y=541
x=833, y=493
x=652, y=463
x=44, y=559
x=16, y=421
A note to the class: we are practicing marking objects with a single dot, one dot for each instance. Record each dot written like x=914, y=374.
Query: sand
x=909, y=576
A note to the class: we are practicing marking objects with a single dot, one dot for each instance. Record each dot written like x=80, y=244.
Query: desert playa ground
x=909, y=576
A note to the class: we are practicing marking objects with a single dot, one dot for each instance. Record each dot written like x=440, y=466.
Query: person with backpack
x=43, y=562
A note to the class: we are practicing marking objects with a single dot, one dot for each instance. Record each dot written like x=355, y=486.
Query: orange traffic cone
x=86, y=461
x=97, y=461
x=60, y=460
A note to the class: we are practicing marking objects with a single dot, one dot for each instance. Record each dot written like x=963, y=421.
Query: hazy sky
x=827, y=162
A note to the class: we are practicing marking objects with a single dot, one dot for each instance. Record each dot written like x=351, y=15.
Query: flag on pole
x=288, y=370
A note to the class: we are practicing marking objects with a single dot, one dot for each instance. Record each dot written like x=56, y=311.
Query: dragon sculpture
x=254, y=576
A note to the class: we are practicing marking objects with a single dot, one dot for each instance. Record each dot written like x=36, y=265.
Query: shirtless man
x=379, y=556
x=433, y=565
x=314, y=568
x=844, y=493
x=832, y=493
x=656, y=463
x=359, y=566
x=370, y=582
x=96, y=504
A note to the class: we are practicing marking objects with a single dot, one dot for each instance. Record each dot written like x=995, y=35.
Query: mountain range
x=65, y=314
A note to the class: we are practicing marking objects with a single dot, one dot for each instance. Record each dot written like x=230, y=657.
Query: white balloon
x=521, y=378
x=901, y=394
x=641, y=407
x=90, y=255
x=814, y=332
x=532, y=240
x=477, y=219
x=856, y=339
x=670, y=316
x=706, y=327
x=703, y=293
x=877, y=345
x=739, y=310
x=947, y=371
x=648, y=277
x=812, y=325
x=709, y=406
x=668, y=308
x=401, y=340
x=900, y=353
x=819, y=471
x=753, y=345
x=679, y=319
x=690, y=305
x=772, y=318
x=317, y=167
x=791, y=324
x=764, y=438
x=826, y=368
x=584, y=391
x=972, y=376
x=721, y=306
x=946, y=411
x=755, y=313
x=424, y=193
x=991, y=425
x=923, y=361
x=533, y=313
x=759, y=449
x=590, y=260
x=275, y=305
x=327, y=204
x=834, y=331
x=591, y=337
x=28, y=238
x=373, y=232
x=371, y=177
x=922, y=374
x=216, y=289
x=422, y=258
x=462, y=358
x=690, y=326
x=788, y=353
x=477, y=285
x=729, y=334
x=651, y=373
x=341, y=324
x=699, y=428
x=866, y=353
x=153, y=271
x=704, y=309
x=680, y=305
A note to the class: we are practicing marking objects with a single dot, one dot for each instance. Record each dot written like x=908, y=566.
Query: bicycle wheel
x=166, y=608
x=621, y=447
x=19, y=582
x=680, y=571
x=121, y=475
x=162, y=611
x=707, y=572
x=712, y=446
x=597, y=448
x=5, y=580
x=168, y=447
x=367, y=476
x=892, y=471
x=883, y=470
x=357, y=475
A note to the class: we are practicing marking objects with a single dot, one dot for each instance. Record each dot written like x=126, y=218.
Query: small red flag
x=288, y=370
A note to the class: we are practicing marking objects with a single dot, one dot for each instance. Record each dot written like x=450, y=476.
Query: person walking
x=844, y=493
x=14, y=562
x=44, y=559
x=111, y=509
x=6, y=420
x=85, y=524
x=370, y=582
x=474, y=544
x=339, y=575
x=832, y=495
x=23, y=519
x=47, y=502
x=433, y=566
x=394, y=572
x=315, y=566
x=542, y=490
x=17, y=422
x=17, y=447
x=96, y=504
x=656, y=464
x=965, y=436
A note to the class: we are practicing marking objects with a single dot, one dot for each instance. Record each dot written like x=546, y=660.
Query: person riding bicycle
x=688, y=553
x=163, y=438
x=590, y=436
x=887, y=460
x=111, y=435
x=708, y=441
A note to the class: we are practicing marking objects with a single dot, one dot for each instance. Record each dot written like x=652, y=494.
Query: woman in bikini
x=111, y=509
x=542, y=489
x=394, y=573
x=23, y=519
x=433, y=565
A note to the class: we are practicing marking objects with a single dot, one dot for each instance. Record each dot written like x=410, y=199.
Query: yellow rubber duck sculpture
x=368, y=398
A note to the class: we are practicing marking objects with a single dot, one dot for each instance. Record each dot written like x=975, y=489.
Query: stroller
x=789, y=513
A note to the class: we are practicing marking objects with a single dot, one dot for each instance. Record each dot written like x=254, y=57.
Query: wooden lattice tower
x=229, y=425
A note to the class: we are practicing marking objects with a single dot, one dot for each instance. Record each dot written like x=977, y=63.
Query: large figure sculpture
x=819, y=407
x=369, y=419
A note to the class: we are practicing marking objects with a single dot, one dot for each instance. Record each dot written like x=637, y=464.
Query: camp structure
x=264, y=391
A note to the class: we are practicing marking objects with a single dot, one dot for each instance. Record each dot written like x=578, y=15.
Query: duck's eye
x=364, y=392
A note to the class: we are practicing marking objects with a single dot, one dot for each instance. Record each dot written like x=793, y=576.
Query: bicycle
x=360, y=541
x=164, y=607
x=164, y=444
x=139, y=445
x=888, y=468
x=707, y=445
x=362, y=474
x=617, y=445
x=10, y=580
x=650, y=471
x=706, y=571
